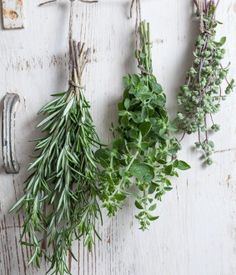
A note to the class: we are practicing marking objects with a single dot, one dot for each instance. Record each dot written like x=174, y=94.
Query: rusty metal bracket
x=10, y=162
x=12, y=14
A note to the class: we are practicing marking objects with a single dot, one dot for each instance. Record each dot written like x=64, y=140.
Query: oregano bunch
x=143, y=153
x=200, y=97
x=60, y=201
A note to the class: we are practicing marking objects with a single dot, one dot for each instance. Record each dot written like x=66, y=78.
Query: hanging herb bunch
x=60, y=200
x=143, y=154
x=200, y=97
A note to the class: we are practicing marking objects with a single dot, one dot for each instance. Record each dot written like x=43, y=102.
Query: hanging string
x=217, y=3
x=52, y=1
x=78, y=56
x=137, y=4
x=70, y=37
x=71, y=19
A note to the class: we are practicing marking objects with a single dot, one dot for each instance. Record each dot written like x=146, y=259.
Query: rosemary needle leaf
x=60, y=202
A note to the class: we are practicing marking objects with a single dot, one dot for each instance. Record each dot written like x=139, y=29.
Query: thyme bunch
x=200, y=97
x=60, y=201
x=143, y=153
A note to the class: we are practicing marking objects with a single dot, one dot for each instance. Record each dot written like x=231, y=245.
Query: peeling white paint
x=196, y=232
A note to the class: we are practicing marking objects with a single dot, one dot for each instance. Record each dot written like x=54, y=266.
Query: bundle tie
x=75, y=85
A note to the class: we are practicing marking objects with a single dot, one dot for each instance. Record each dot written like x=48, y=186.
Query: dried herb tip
x=200, y=97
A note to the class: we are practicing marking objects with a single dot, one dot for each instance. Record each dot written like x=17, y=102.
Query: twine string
x=79, y=56
x=70, y=42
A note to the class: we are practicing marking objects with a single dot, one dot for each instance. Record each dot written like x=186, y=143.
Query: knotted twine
x=78, y=56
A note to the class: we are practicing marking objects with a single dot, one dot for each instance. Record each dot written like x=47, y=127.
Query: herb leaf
x=61, y=194
x=143, y=153
x=200, y=98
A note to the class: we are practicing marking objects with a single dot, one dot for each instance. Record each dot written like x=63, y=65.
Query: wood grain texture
x=196, y=232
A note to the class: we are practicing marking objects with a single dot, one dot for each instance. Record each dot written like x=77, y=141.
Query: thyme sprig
x=200, y=97
x=60, y=201
x=143, y=154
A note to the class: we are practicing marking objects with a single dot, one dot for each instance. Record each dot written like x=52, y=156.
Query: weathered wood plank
x=196, y=232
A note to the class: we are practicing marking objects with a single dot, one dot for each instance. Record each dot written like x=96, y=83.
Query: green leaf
x=127, y=103
x=152, y=188
x=222, y=41
x=47, y=119
x=181, y=165
x=152, y=218
x=134, y=134
x=168, y=188
x=68, y=107
x=59, y=94
x=142, y=171
x=145, y=128
x=230, y=87
x=18, y=204
x=156, y=86
x=118, y=144
x=102, y=156
x=168, y=170
x=138, y=205
x=126, y=81
x=152, y=207
x=34, y=257
x=120, y=197
x=135, y=79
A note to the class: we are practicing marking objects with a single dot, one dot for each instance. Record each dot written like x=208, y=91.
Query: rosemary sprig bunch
x=200, y=97
x=143, y=152
x=60, y=201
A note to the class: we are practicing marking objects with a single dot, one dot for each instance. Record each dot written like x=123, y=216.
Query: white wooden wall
x=196, y=232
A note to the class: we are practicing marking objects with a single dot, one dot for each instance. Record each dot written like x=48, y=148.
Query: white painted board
x=196, y=232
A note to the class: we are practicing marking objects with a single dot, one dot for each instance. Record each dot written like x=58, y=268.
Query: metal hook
x=10, y=162
x=83, y=1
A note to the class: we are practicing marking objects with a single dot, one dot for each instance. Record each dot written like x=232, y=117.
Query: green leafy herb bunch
x=200, y=97
x=60, y=201
x=143, y=153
